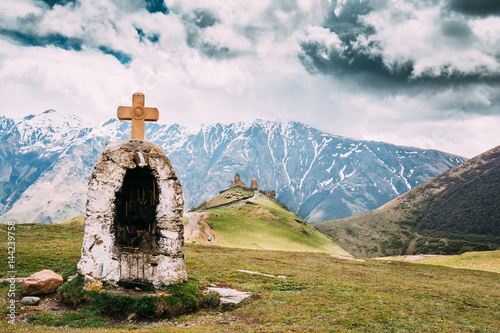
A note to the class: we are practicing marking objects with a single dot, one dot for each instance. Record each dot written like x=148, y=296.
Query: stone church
x=237, y=182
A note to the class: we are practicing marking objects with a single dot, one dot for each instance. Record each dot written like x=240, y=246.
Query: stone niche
x=133, y=219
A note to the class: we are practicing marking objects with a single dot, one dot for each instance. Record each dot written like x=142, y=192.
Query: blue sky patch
x=64, y=42
x=122, y=57
x=52, y=3
x=156, y=6
x=153, y=38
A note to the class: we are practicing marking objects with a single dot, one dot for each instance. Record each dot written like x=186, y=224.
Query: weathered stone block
x=133, y=220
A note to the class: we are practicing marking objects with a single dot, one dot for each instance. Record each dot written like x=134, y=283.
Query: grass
x=484, y=260
x=320, y=293
x=39, y=246
x=86, y=317
x=267, y=224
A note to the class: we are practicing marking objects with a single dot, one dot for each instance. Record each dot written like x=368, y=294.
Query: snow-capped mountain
x=46, y=160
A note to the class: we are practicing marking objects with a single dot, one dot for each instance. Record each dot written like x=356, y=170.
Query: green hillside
x=455, y=212
x=484, y=260
x=261, y=222
x=320, y=293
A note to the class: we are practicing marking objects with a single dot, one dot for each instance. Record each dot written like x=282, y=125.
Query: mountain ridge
x=454, y=212
x=318, y=175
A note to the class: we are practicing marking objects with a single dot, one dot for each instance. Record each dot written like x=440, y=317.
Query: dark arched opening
x=135, y=218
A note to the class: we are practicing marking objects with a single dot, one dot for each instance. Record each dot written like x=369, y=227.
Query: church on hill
x=237, y=182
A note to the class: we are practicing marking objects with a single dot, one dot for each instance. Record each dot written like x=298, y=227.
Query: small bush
x=113, y=306
x=182, y=298
x=72, y=292
x=185, y=297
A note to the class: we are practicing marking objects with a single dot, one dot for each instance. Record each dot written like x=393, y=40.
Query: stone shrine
x=133, y=220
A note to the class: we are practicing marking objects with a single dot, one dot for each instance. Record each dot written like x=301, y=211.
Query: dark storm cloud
x=476, y=7
x=364, y=64
x=350, y=61
x=371, y=73
x=368, y=70
x=204, y=18
x=347, y=25
x=456, y=29
x=195, y=23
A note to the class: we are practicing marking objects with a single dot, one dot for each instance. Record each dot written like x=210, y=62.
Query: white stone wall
x=104, y=260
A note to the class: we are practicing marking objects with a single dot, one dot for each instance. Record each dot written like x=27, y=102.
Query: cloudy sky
x=423, y=73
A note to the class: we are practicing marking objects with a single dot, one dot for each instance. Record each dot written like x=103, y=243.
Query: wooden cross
x=138, y=114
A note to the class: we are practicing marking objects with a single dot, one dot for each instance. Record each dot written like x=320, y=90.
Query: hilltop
x=246, y=219
x=452, y=213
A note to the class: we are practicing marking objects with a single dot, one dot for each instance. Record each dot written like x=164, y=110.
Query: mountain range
x=46, y=160
x=455, y=212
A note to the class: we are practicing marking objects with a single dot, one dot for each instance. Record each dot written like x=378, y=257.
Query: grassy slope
x=484, y=260
x=487, y=261
x=39, y=246
x=267, y=224
x=373, y=228
x=321, y=294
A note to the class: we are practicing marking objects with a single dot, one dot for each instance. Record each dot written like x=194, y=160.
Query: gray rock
x=30, y=300
x=230, y=296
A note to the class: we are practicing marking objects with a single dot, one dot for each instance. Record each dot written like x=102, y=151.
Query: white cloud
x=329, y=41
x=16, y=8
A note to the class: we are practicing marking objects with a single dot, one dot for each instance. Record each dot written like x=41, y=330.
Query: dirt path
x=192, y=232
x=256, y=194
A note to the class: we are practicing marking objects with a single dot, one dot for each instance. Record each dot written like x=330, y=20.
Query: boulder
x=43, y=282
